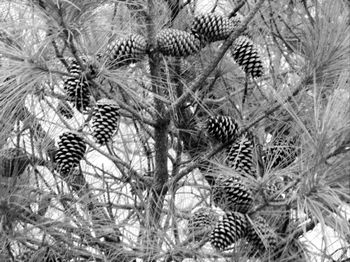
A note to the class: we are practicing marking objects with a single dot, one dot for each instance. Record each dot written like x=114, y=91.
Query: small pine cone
x=89, y=63
x=201, y=222
x=261, y=237
x=125, y=51
x=82, y=99
x=104, y=120
x=222, y=128
x=230, y=194
x=77, y=92
x=71, y=149
x=239, y=155
x=213, y=27
x=177, y=43
x=277, y=189
x=65, y=110
x=272, y=189
x=77, y=88
x=231, y=228
x=246, y=55
x=281, y=152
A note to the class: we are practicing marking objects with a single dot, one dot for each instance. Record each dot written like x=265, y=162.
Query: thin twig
x=237, y=8
x=197, y=83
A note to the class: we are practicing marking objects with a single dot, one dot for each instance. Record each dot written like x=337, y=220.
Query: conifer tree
x=174, y=130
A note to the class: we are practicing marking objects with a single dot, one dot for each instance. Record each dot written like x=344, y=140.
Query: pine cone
x=73, y=67
x=222, y=128
x=71, y=150
x=77, y=88
x=105, y=119
x=126, y=51
x=213, y=27
x=230, y=194
x=261, y=237
x=246, y=55
x=65, y=110
x=231, y=228
x=78, y=93
x=177, y=43
x=239, y=155
x=204, y=219
x=276, y=188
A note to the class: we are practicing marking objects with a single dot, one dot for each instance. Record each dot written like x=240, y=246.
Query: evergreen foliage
x=164, y=130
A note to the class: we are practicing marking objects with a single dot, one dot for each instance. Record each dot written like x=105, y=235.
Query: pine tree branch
x=134, y=113
x=214, y=6
x=311, y=20
x=5, y=38
x=278, y=105
x=342, y=149
x=308, y=227
x=197, y=83
x=162, y=120
x=160, y=176
x=197, y=162
x=237, y=8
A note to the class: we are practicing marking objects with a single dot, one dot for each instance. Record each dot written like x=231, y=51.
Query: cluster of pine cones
x=230, y=194
x=72, y=147
x=205, y=28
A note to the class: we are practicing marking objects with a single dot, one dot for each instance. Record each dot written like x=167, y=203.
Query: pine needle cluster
x=159, y=131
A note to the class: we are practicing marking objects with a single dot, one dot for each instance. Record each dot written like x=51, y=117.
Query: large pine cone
x=239, y=155
x=177, y=43
x=231, y=228
x=222, y=128
x=261, y=237
x=246, y=55
x=202, y=221
x=71, y=149
x=230, y=194
x=125, y=51
x=76, y=88
x=213, y=27
x=105, y=120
